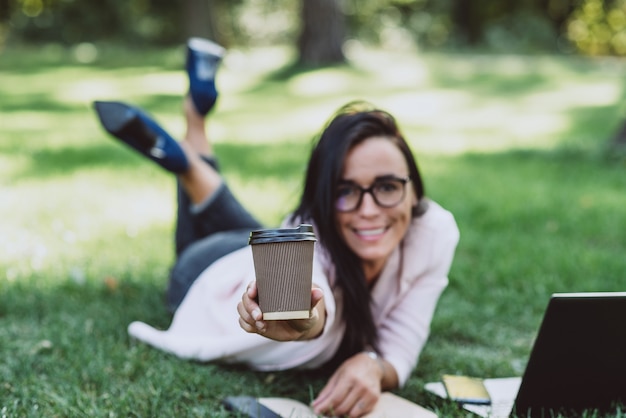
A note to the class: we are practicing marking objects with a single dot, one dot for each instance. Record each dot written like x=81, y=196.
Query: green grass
x=513, y=146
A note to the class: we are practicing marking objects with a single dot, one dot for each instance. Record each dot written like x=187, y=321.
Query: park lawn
x=514, y=146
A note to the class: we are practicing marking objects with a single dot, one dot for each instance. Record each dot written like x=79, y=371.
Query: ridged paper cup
x=283, y=264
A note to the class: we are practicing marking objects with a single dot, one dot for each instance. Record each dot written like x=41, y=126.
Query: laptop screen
x=578, y=361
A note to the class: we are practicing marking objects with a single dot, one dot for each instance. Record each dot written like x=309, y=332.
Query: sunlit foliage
x=590, y=27
x=599, y=27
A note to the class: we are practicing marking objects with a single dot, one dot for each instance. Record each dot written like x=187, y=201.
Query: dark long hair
x=351, y=125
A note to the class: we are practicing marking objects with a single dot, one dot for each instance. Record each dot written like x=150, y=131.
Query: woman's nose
x=368, y=204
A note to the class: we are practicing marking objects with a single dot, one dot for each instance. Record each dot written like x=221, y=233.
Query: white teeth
x=370, y=232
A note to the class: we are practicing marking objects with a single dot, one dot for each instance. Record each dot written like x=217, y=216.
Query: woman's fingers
x=352, y=404
x=246, y=326
x=342, y=401
x=360, y=408
x=249, y=302
x=317, y=295
x=329, y=395
x=352, y=401
x=251, y=290
x=352, y=390
x=250, y=315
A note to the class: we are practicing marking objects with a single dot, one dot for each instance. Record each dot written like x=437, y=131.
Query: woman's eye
x=345, y=191
x=386, y=186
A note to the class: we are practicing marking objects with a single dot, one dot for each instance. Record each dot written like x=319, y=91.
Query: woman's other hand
x=251, y=318
x=354, y=389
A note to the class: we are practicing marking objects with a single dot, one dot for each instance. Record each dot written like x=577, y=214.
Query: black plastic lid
x=304, y=232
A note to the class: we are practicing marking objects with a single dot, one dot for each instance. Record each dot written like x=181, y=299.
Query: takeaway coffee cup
x=283, y=263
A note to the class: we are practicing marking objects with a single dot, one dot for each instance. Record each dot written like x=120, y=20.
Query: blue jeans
x=204, y=234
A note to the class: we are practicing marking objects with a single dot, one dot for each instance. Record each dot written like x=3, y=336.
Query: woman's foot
x=203, y=58
x=139, y=131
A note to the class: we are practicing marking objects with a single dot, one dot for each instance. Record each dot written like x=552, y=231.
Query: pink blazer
x=205, y=327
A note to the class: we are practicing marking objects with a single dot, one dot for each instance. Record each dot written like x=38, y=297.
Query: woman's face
x=372, y=231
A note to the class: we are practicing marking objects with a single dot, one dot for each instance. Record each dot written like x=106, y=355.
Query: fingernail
x=260, y=326
x=257, y=315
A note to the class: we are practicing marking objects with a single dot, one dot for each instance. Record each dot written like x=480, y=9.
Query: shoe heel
x=206, y=47
x=203, y=59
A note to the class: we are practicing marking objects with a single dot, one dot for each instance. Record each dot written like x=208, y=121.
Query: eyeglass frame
x=363, y=190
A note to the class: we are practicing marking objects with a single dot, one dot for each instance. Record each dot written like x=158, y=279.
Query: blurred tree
x=558, y=11
x=319, y=28
x=199, y=19
x=5, y=10
x=323, y=33
x=598, y=27
x=254, y=23
x=72, y=21
x=523, y=26
x=469, y=18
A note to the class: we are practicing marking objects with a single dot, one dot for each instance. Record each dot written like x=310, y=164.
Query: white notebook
x=502, y=392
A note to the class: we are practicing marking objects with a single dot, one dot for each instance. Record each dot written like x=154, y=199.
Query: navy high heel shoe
x=203, y=58
x=137, y=130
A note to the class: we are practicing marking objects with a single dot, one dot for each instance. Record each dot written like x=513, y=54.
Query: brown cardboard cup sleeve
x=283, y=264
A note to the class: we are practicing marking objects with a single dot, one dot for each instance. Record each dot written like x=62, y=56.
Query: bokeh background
x=589, y=27
x=515, y=110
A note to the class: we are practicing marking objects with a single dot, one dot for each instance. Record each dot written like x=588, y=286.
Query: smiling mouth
x=370, y=232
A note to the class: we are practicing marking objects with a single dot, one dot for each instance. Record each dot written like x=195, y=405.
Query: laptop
x=577, y=363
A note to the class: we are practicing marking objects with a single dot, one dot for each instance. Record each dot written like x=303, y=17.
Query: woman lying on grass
x=381, y=260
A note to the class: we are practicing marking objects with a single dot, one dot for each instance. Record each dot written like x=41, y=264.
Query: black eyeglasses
x=386, y=191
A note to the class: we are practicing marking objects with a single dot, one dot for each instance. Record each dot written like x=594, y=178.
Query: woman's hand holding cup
x=251, y=318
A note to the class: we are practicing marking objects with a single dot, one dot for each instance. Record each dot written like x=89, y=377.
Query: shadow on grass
x=48, y=163
x=488, y=84
x=594, y=126
x=39, y=102
x=294, y=69
x=158, y=103
x=270, y=161
x=39, y=59
x=47, y=102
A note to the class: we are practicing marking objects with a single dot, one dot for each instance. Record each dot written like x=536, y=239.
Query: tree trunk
x=199, y=19
x=323, y=33
x=5, y=13
x=467, y=21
